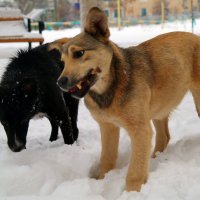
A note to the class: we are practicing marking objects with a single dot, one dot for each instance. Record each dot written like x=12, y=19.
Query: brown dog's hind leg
x=195, y=85
x=196, y=96
x=110, y=141
x=162, y=135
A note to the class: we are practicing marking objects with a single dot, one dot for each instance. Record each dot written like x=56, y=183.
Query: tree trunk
x=85, y=6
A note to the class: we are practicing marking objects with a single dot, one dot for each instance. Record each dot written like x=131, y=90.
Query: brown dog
x=129, y=87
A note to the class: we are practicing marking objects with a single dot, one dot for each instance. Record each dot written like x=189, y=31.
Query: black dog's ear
x=96, y=24
x=28, y=88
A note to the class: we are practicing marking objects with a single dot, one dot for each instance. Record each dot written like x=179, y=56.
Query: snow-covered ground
x=55, y=171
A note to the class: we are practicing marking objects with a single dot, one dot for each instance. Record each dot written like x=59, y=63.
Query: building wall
x=136, y=8
x=139, y=8
x=178, y=7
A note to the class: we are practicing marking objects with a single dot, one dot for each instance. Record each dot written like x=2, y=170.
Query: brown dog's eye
x=78, y=54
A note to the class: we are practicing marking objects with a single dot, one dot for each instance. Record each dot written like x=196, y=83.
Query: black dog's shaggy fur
x=28, y=87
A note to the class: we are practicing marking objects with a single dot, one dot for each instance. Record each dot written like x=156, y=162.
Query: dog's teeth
x=93, y=72
x=79, y=86
x=98, y=70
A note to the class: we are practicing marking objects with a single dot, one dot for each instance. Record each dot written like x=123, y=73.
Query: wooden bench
x=13, y=28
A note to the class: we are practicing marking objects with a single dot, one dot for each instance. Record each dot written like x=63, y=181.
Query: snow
x=15, y=30
x=55, y=171
x=6, y=12
x=4, y=64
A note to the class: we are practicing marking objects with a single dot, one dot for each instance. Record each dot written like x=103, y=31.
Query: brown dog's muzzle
x=63, y=83
x=79, y=88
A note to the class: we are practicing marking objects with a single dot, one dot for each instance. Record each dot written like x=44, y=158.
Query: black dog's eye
x=78, y=54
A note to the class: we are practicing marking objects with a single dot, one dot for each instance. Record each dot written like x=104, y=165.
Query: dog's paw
x=101, y=176
x=75, y=133
x=134, y=184
x=69, y=140
x=53, y=138
x=94, y=171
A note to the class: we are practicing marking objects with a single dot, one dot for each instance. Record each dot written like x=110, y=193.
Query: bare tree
x=185, y=4
x=157, y=7
x=62, y=9
x=199, y=5
x=26, y=6
x=85, y=6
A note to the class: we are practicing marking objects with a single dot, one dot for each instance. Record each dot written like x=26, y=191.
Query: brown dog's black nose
x=62, y=82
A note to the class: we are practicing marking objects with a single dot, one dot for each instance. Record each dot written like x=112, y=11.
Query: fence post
x=118, y=14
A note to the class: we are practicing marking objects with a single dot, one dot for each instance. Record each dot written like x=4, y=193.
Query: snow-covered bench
x=13, y=28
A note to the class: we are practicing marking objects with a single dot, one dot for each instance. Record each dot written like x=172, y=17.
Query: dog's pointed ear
x=57, y=44
x=96, y=24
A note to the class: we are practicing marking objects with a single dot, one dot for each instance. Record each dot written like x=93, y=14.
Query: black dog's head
x=16, y=102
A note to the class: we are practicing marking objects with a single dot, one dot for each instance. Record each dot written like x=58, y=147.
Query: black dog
x=28, y=87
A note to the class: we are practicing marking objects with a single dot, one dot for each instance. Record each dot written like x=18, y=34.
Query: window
x=106, y=12
x=143, y=12
x=115, y=13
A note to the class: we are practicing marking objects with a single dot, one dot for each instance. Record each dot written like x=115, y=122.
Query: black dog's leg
x=72, y=105
x=62, y=118
x=56, y=109
x=61, y=114
x=54, y=130
x=66, y=127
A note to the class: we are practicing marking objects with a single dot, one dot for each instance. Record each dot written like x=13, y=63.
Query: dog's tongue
x=73, y=89
x=85, y=83
x=77, y=87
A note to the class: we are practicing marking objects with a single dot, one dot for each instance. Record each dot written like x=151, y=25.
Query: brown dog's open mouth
x=81, y=88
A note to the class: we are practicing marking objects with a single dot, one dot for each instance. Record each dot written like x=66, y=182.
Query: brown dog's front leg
x=138, y=167
x=110, y=141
